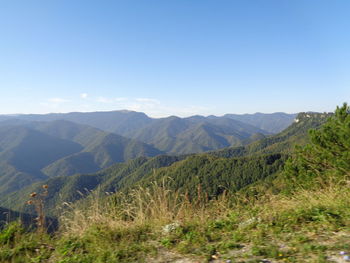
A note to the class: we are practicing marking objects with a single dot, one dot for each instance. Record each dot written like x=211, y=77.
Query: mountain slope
x=174, y=135
x=24, y=152
x=68, y=189
x=283, y=142
x=192, y=135
x=100, y=149
x=34, y=151
x=273, y=122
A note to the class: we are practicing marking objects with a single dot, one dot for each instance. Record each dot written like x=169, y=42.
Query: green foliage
x=326, y=157
x=17, y=245
x=102, y=244
x=8, y=235
x=212, y=175
x=73, y=188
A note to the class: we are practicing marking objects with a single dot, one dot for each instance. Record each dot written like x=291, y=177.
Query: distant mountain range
x=196, y=134
x=230, y=168
x=37, y=147
x=172, y=134
x=273, y=122
x=123, y=122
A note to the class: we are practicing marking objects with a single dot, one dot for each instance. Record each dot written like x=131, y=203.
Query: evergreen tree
x=327, y=156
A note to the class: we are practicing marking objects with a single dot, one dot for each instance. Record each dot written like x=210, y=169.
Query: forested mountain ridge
x=171, y=134
x=62, y=147
x=283, y=142
x=70, y=189
x=230, y=169
x=35, y=151
x=192, y=135
x=25, y=152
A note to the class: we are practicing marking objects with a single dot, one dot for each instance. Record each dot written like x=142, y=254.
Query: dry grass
x=127, y=228
x=155, y=205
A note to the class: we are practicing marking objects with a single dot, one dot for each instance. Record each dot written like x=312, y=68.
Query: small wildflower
x=280, y=255
x=45, y=186
x=33, y=194
x=30, y=202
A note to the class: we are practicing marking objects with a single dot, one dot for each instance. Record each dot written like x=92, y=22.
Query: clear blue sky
x=179, y=57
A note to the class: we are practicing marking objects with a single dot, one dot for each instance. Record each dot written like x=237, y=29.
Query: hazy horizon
x=165, y=116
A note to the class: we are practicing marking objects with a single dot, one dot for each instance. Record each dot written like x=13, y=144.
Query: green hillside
x=12, y=180
x=172, y=135
x=24, y=152
x=72, y=188
x=104, y=150
x=214, y=175
x=34, y=151
x=192, y=135
x=283, y=142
